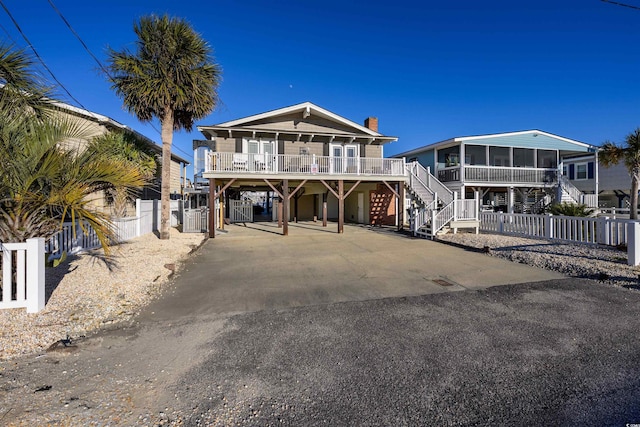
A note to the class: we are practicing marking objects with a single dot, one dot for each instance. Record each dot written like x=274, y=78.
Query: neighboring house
x=322, y=165
x=94, y=124
x=613, y=183
x=514, y=172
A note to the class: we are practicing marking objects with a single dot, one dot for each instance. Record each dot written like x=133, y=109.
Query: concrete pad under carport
x=252, y=267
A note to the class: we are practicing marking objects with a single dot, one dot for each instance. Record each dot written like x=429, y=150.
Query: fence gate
x=195, y=220
x=240, y=210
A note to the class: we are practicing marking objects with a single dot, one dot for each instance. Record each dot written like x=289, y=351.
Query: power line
x=79, y=38
x=38, y=55
x=7, y=33
x=102, y=67
x=622, y=4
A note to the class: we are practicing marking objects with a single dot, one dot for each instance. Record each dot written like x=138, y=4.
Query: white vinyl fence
x=23, y=281
x=604, y=230
x=23, y=274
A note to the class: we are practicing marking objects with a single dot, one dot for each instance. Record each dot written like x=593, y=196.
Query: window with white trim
x=581, y=171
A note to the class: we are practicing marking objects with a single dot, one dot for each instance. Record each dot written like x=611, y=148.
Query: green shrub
x=569, y=209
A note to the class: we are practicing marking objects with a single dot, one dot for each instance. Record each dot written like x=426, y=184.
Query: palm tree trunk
x=167, y=140
x=633, y=213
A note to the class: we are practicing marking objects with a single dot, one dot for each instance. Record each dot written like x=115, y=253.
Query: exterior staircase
x=435, y=208
x=568, y=193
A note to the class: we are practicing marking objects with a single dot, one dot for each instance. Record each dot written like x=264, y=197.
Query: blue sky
x=429, y=70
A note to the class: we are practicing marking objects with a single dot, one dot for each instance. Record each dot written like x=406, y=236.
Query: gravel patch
x=604, y=263
x=87, y=294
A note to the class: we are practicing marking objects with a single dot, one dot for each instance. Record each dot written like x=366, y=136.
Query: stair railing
x=568, y=187
x=419, y=186
x=430, y=182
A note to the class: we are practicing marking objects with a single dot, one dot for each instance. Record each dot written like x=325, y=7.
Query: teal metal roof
x=524, y=139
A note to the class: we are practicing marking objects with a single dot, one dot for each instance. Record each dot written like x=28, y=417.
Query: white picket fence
x=23, y=280
x=23, y=274
x=603, y=230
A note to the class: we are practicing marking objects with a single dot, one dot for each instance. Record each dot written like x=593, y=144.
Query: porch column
x=597, y=179
x=280, y=203
x=315, y=208
x=285, y=207
x=212, y=208
x=224, y=205
x=295, y=208
x=341, y=206
x=324, y=208
x=401, y=209
x=511, y=197
x=462, y=155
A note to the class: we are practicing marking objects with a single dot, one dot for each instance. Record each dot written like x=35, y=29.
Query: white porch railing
x=498, y=174
x=23, y=279
x=467, y=209
x=604, y=230
x=303, y=164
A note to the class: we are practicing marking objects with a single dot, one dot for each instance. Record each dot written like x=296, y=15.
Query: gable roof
x=519, y=139
x=256, y=124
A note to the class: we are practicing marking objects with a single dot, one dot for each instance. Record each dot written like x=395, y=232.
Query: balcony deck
x=242, y=165
x=497, y=175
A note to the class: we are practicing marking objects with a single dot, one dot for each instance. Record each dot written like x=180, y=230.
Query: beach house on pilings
x=307, y=163
x=518, y=172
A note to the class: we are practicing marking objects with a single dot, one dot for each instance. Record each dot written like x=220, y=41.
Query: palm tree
x=22, y=88
x=611, y=154
x=43, y=184
x=132, y=151
x=172, y=77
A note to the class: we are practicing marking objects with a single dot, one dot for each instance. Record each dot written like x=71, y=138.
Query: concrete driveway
x=253, y=267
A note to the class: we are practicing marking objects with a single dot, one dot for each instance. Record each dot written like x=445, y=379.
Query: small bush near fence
x=570, y=209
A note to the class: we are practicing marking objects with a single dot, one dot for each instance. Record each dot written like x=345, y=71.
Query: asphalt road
x=551, y=353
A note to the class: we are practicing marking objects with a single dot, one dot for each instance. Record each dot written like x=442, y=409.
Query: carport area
x=253, y=267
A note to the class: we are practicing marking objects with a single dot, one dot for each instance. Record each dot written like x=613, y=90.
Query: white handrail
x=571, y=190
x=432, y=183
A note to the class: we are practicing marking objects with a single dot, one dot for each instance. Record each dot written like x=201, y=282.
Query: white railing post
x=35, y=275
x=433, y=222
x=139, y=216
x=477, y=207
x=604, y=236
x=633, y=243
x=455, y=205
x=548, y=226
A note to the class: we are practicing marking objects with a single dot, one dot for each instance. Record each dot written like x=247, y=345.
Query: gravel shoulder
x=603, y=263
x=86, y=294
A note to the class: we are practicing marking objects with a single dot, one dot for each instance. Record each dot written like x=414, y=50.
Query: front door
x=344, y=158
x=260, y=154
x=336, y=159
x=351, y=152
